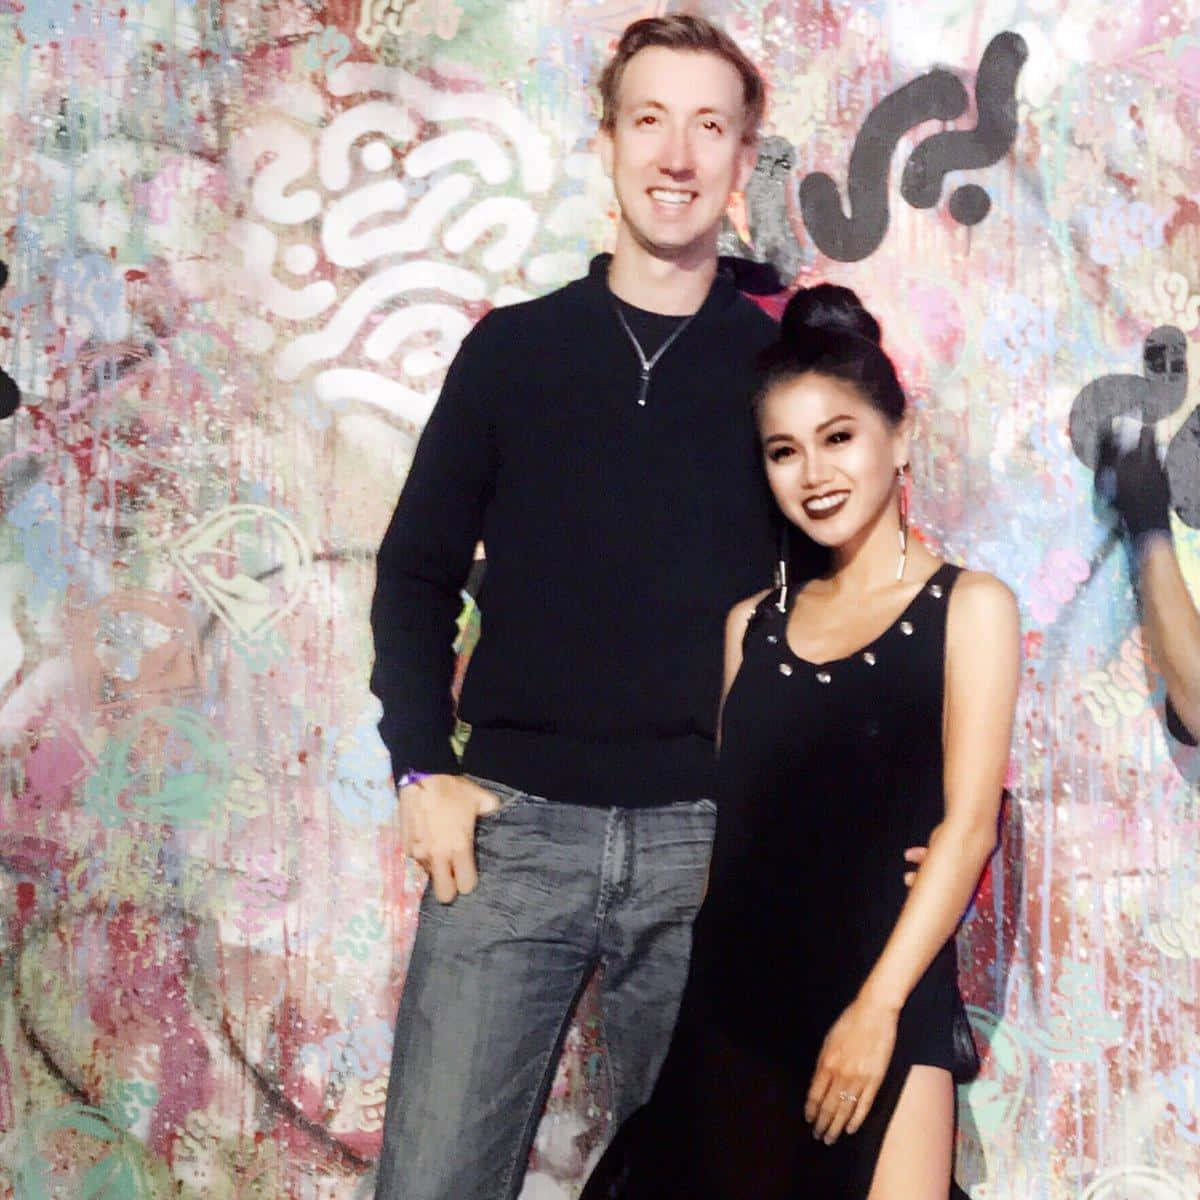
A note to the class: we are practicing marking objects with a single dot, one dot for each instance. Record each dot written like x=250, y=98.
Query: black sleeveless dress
x=827, y=773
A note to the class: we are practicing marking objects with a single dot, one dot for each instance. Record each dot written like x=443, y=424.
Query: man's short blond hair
x=679, y=31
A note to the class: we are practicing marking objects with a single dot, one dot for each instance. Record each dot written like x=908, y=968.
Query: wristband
x=410, y=776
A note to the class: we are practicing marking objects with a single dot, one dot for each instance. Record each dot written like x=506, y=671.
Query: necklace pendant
x=643, y=388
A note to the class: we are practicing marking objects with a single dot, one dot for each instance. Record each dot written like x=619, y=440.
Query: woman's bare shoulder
x=982, y=604
x=984, y=588
x=743, y=608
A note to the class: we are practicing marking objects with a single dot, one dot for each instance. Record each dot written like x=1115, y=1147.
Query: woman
x=865, y=712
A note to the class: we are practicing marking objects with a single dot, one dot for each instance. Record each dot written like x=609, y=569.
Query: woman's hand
x=853, y=1061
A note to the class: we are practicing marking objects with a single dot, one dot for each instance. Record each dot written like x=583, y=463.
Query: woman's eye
x=842, y=435
x=779, y=453
x=647, y=119
x=712, y=126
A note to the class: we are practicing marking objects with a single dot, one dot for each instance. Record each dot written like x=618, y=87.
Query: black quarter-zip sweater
x=617, y=539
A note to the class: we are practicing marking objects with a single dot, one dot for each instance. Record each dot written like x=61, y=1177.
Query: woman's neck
x=868, y=562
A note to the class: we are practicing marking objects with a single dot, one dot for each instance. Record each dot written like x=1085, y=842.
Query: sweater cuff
x=434, y=757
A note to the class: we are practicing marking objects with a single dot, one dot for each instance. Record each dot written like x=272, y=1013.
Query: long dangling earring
x=781, y=569
x=902, y=496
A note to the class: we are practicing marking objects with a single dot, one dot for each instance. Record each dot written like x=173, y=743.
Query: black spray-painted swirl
x=971, y=149
x=936, y=96
x=10, y=396
x=1156, y=394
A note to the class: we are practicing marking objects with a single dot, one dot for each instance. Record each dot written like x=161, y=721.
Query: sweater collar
x=721, y=294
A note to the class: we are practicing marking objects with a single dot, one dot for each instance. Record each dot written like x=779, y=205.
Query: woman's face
x=831, y=456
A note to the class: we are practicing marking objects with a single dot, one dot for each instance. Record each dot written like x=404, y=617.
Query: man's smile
x=675, y=197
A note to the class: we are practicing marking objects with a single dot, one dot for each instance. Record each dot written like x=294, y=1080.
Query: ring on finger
x=848, y=1097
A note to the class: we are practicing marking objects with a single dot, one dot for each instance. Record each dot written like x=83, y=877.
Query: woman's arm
x=982, y=669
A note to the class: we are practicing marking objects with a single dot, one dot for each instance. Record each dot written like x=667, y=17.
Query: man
x=1134, y=481
x=599, y=441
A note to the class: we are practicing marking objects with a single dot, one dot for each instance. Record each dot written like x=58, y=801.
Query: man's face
x=675, y=151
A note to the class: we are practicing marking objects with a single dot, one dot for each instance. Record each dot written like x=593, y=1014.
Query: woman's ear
x=902, y=437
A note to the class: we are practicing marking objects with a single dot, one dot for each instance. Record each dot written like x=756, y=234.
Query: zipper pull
x=644, y=386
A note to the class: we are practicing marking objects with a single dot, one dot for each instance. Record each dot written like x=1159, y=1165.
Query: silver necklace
x=648, y=363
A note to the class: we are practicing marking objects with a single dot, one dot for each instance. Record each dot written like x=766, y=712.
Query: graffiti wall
x=244, y=240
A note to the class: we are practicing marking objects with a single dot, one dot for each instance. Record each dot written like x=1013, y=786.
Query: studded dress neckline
x=868, y=653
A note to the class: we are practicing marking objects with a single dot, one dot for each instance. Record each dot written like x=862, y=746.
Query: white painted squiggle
x=513, y=216
x=448, y=323
x=1177, y=935
x=333, y=156
x=341, y=384
x=292, y=159
x=531, y=145
x=371, y=294
x=403, y=178
x=483, y=152
x=1145, y=1183
x=258, y=246
x=345, y=215
x=414, y=233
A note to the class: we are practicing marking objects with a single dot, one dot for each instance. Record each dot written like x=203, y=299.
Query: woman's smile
x=820, y=508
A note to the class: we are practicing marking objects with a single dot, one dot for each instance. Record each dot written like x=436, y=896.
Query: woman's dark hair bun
x=826, y=330
x=827, y=308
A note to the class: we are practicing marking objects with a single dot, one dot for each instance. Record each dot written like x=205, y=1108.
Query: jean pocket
x=509, y=797
x=703, y=809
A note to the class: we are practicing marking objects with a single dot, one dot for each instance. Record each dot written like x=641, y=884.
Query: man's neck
x=673, y=287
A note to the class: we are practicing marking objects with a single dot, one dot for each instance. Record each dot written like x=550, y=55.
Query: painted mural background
x=244, y=240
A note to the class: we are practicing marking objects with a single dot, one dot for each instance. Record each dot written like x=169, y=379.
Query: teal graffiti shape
x=170, y=767
x=118, y=1175
x=327, y=49
x=1081, y=1025
x=362, y=936
x=130, y=1098
x=995, y=1098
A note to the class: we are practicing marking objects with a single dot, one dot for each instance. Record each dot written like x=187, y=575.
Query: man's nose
x=676, y=156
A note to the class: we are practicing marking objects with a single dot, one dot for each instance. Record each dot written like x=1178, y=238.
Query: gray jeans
x=494, y=978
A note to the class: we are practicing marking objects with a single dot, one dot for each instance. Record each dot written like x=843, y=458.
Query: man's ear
x=604, y=147
x=747, y=158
